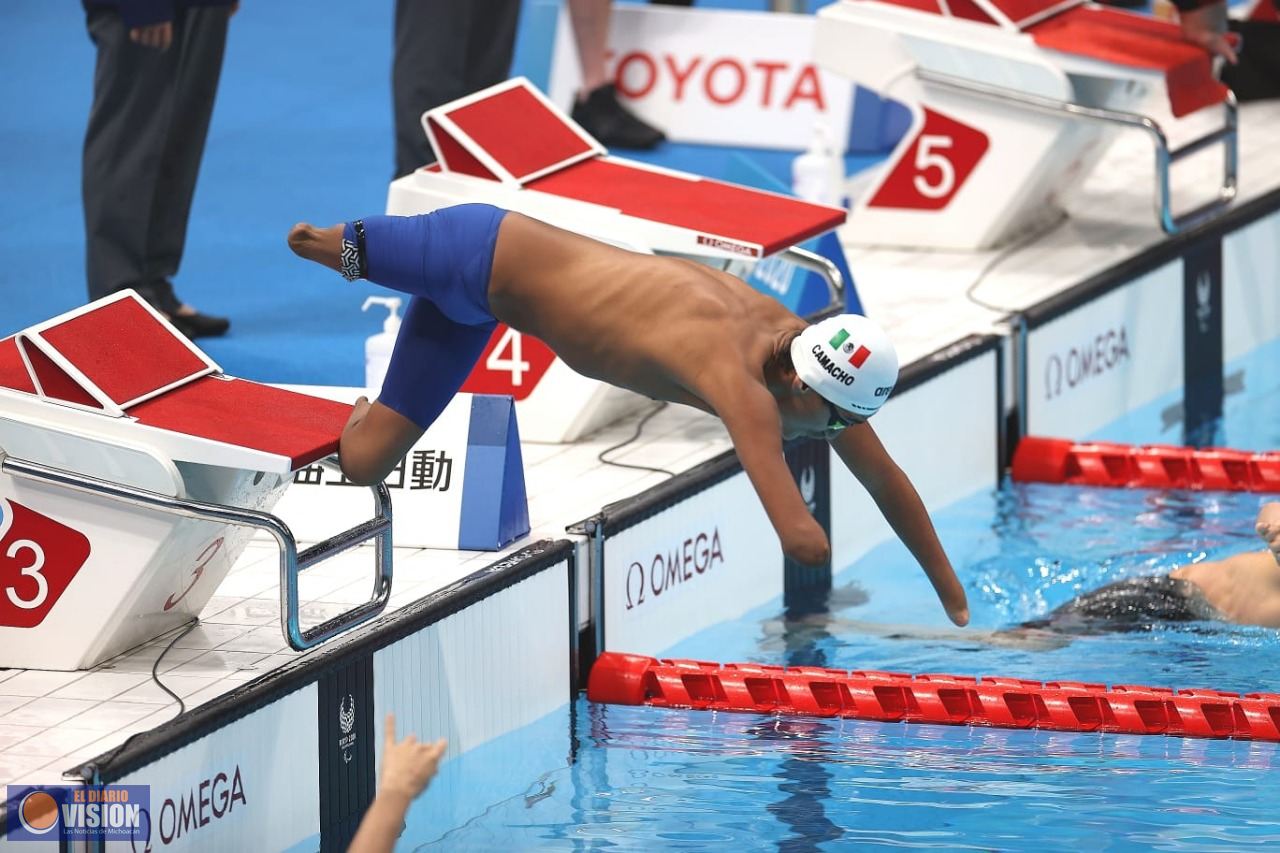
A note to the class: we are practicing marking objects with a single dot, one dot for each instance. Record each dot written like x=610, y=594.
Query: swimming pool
x=594, y=776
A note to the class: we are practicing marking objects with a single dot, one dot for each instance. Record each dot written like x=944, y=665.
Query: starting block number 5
x=512, y=363
x=934, y=166
x=39, y=557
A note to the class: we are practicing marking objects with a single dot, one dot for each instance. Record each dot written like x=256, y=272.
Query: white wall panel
x=1106, y=358
x=493, y=667
x=1251, y=287
x=272, y=752
x=709, y=558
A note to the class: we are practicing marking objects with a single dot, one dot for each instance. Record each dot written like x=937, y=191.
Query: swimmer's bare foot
x=322, y=245
x=1269, y=527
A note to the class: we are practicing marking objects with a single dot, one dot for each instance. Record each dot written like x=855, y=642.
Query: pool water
x=596, y=777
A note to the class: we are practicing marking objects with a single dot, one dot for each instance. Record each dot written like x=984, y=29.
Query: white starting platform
x=132, y=475
x=509, y=146
x=1013, y=104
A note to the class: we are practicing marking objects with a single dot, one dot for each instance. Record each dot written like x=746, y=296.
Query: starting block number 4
x=39, y=558
x=512, y=363
x=933, y=168
x=515, y=364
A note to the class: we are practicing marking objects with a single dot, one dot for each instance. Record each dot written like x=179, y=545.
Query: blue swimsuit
x=443, y=261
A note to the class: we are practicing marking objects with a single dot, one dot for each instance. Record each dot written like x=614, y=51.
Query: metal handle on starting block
x=824, y=267
x=291, y=562
x=1227, y=135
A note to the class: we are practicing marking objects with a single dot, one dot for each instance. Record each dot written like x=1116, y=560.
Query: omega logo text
x=1103, y=353
x=680, y=564
x=211, y=800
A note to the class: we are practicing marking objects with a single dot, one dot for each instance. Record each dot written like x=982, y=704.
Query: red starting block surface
x=1012, y=703
x=118, y=358
x=773, y=222
x=1055, y=460
x=531, y=157
x=1096, y=32
x=1137, y=41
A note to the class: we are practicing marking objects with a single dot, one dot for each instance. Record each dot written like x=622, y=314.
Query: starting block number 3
x=512, y=363
x=934, y=166
x=39, y=557
x=30, y=571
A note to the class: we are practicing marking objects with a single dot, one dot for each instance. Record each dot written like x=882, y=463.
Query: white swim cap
x=849, y=360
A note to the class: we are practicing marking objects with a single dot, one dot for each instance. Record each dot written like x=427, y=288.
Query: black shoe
x=605, y=118
x=199, y=325
x=161, y=296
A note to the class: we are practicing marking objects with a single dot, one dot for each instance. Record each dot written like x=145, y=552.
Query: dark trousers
x=142, y=149
x=1258, y=74
x=444, y=49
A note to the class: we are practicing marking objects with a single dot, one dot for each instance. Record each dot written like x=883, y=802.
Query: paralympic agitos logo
x=676, y=565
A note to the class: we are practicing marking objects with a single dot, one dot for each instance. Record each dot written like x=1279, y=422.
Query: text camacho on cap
x=849, y=360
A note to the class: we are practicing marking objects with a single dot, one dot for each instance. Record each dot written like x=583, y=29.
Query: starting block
x=509, y=146
x=1013, y=102
x=132, y=474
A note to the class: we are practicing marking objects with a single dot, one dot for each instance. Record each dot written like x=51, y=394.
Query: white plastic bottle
x=818, y=173
x=377, y=349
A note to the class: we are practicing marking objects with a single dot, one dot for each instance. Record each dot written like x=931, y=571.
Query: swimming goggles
x=839, y=421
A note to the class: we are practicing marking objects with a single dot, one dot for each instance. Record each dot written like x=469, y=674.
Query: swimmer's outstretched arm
x=1030, y=639
x=751, y=416
x=863, y=454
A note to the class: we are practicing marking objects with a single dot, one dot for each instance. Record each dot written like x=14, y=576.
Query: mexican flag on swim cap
x=849, y=360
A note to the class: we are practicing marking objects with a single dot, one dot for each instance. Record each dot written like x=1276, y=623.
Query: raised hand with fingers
x=407, y=768
x=410, y=765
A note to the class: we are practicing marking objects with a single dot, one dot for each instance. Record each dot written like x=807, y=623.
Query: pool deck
x=53, y=721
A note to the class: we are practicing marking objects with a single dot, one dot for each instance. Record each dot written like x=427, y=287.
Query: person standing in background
x=596, y=106
x=444, y=49
x=153, y=92
x=1204, y=22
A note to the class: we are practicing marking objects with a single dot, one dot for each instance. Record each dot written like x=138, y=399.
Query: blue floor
x=301, y=131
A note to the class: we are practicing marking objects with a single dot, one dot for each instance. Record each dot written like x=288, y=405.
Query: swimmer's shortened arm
x=751, y=416
x=865, y=457
x=374, y=441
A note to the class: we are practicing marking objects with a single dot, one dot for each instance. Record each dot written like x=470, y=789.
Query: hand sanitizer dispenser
x=818, y=173
x=377, y=349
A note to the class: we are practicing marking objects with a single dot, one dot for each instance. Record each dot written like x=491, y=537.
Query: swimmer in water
x=666, y=328
x=1244, y=589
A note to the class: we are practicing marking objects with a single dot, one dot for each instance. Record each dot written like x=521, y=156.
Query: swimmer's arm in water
x=751, y=416
x=863, y=454
x=374, y=441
